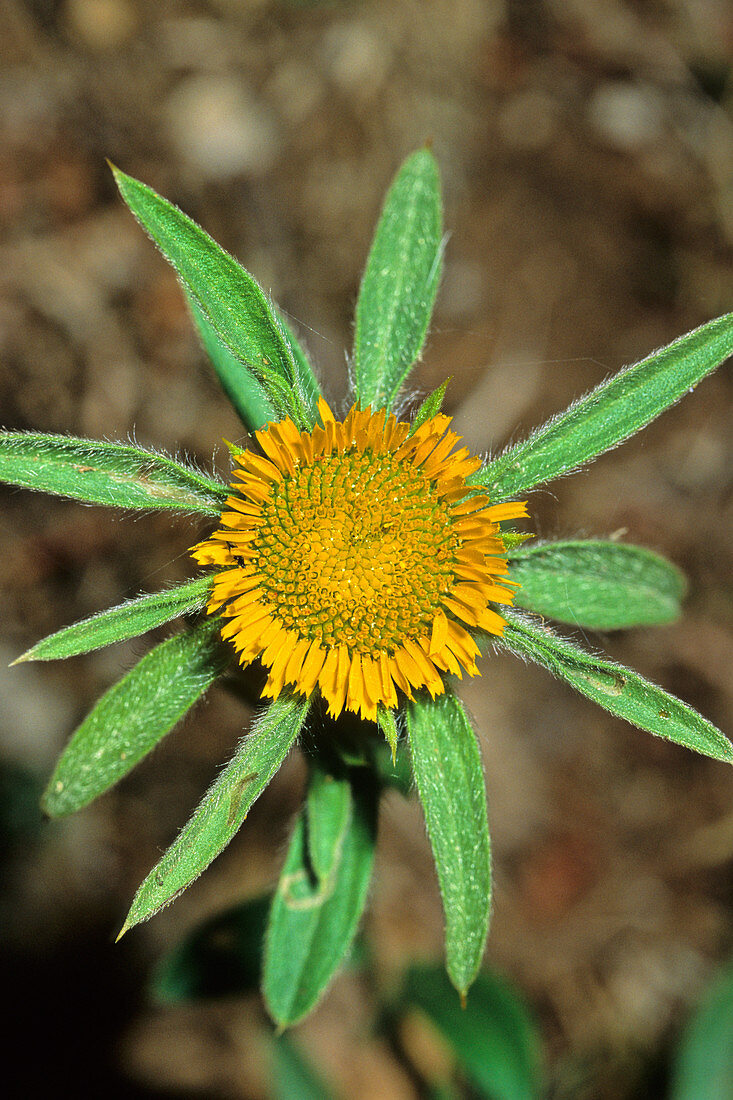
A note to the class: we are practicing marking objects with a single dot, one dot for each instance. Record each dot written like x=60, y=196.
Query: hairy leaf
x=127, y=620
x=328, y=808
x=610, y=413
x=231, y=301
x=400, y=283
x=223, y=808
x=314, y=920
x=430, y=406
x=450, y=781
x=246, y=393
x=115, y=474
x=133, y=716
x=596, y=584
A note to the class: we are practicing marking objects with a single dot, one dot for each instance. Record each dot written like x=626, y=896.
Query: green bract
x=321, y=892
x=450, y=782
x=592, y=584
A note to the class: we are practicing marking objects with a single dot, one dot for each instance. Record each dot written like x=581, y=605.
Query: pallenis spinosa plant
x=366, y=561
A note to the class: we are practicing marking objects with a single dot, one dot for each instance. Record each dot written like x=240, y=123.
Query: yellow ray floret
x=354, y=558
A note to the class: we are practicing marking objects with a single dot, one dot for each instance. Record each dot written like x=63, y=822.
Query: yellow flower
x=354, y=558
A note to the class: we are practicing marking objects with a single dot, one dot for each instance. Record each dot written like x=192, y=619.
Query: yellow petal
x=439, y=631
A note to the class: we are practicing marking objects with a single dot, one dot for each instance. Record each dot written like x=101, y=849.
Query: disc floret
x=356, y=559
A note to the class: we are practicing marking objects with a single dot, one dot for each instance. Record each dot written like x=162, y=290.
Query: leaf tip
x=46, y=807
x=233, y=449
x=125, y=928
x=462, y=989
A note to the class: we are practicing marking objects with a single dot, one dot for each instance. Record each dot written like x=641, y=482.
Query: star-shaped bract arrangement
x=364, y=562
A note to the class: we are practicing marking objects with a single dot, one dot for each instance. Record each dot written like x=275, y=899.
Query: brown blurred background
x=587, y=159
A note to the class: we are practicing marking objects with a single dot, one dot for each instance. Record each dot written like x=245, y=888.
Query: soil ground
x=586, y=152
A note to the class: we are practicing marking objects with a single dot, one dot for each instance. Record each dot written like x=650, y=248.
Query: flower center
x=355, y=559
x=356, y=549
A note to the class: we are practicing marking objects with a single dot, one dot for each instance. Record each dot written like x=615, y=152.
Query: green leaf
x=231, y=301
x=615, y=688
x=298, y=352
x=221, y=957
x=127, y=620
x=130, y=718
x=450, y=781
x=293, y=1077
x=328, y=811
x=247, y=395
x=115, y=474
x=596, y=584
x=223, y=808
x=400, y=283
x=494, y=1038
x=430, y=406
x=703, y=1065
x=610, y=413
x=313, y=921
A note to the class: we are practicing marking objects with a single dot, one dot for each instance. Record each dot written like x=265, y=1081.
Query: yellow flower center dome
x=355, y=556
x=356, y=550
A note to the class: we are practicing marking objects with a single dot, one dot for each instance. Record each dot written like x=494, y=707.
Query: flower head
x=356, y=558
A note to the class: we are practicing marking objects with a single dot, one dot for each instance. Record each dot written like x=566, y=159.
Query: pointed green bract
x=223, y=808
x=400, y=283
x=115, y=474
x=430, y=406
x=246, y=393
x=231, y=301
x=133, y=716
x=127, y=620
x=610, y=413
x=615, y=688
x=387, y=722
x=447, y=765
x=493, y=1038
x=512, y=539
x=598, y=585
x=314, y=920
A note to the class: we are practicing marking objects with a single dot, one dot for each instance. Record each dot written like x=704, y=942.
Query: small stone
x=219, y=129
x=101, y=24
x=355, y=58
x=627, y=116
